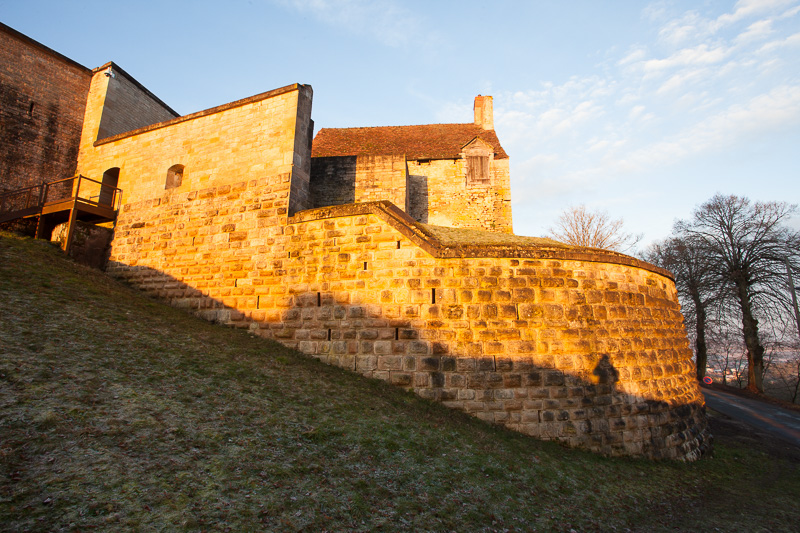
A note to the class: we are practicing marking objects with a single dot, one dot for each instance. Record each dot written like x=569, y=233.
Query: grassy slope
x=119, y=413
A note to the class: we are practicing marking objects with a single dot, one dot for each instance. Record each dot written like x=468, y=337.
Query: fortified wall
x=584, y=347
x=42, y=102
x=581, y=346
x=224, y=214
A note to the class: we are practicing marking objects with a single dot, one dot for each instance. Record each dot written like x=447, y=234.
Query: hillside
x=119, y=413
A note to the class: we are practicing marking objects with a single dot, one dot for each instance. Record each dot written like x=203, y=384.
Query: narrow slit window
x=433, y=296
x=319, y=299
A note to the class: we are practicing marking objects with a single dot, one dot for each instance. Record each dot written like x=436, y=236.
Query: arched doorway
x=108, y=191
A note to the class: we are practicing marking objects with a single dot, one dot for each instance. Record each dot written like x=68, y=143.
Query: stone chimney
x=484, y=114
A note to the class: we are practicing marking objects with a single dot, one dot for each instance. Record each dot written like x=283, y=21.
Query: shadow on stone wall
x=21, y=226
x=332, y=181
x=91, y=244
x=418, y=198
x=591, y=411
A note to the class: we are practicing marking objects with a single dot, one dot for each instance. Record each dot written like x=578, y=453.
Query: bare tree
x=594, y=229
x=748, y=245
x=697, y=286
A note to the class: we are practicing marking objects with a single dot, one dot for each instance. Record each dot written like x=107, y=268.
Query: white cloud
x=756, y=31
x=792, y=40
x=706, y=87
x=636, y=112
x=699, y=55
x=749, y=8
x=634, y=56
x=384, y=20
x=678, y=81
x=683, y=29
x=774, y=110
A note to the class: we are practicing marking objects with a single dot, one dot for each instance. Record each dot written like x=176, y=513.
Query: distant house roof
x=429, y=141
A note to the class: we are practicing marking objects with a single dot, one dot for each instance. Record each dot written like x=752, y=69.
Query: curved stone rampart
x=581, y=346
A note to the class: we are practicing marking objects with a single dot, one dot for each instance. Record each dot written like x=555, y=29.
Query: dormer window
x=174, y=177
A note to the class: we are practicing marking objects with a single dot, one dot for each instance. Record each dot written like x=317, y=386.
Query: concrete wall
x=580, y=346
x=42, y=101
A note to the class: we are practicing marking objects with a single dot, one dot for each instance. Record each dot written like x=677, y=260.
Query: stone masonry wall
x=302, y=127
x=345, y=180
x=42, y=101
x=127, y=105
x=333, y=180
x=580, y=346
x=439, y=195
x=233, y=143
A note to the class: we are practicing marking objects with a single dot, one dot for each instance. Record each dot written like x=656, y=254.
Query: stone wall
x=345, y=180
x=581, y=346
x=42, y=101
x=90, y=243
x=430, y=191
x=299, y=122
x=127, y=105
x=241, y=141
x=440, y=195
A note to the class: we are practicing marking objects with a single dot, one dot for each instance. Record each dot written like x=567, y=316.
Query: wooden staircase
x=68, y=200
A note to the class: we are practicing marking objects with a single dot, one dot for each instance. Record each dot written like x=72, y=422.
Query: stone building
x=453, y=175
x=226, y=214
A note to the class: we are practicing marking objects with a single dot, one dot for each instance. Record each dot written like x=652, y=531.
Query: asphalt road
x=782, y=423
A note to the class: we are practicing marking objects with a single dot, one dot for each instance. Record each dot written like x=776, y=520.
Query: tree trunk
x=700, y=335
x=755, y=352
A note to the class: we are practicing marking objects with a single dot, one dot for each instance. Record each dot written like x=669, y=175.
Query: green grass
x=118, y=413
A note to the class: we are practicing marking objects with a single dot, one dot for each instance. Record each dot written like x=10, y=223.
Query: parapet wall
x=575, y=345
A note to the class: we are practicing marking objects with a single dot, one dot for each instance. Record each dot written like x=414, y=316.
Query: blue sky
x=642, y=109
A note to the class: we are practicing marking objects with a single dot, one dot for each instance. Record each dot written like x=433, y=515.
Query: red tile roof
x=428, y=141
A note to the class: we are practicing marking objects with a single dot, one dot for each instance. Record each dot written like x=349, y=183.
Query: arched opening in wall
x=108, y=190
x=174, y=177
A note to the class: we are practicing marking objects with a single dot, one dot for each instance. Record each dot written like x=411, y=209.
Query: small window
x=477, y=170
x=477, y=156
x=174, y=177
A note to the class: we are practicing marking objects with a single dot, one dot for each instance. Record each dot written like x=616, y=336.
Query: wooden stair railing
x=62, y=201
